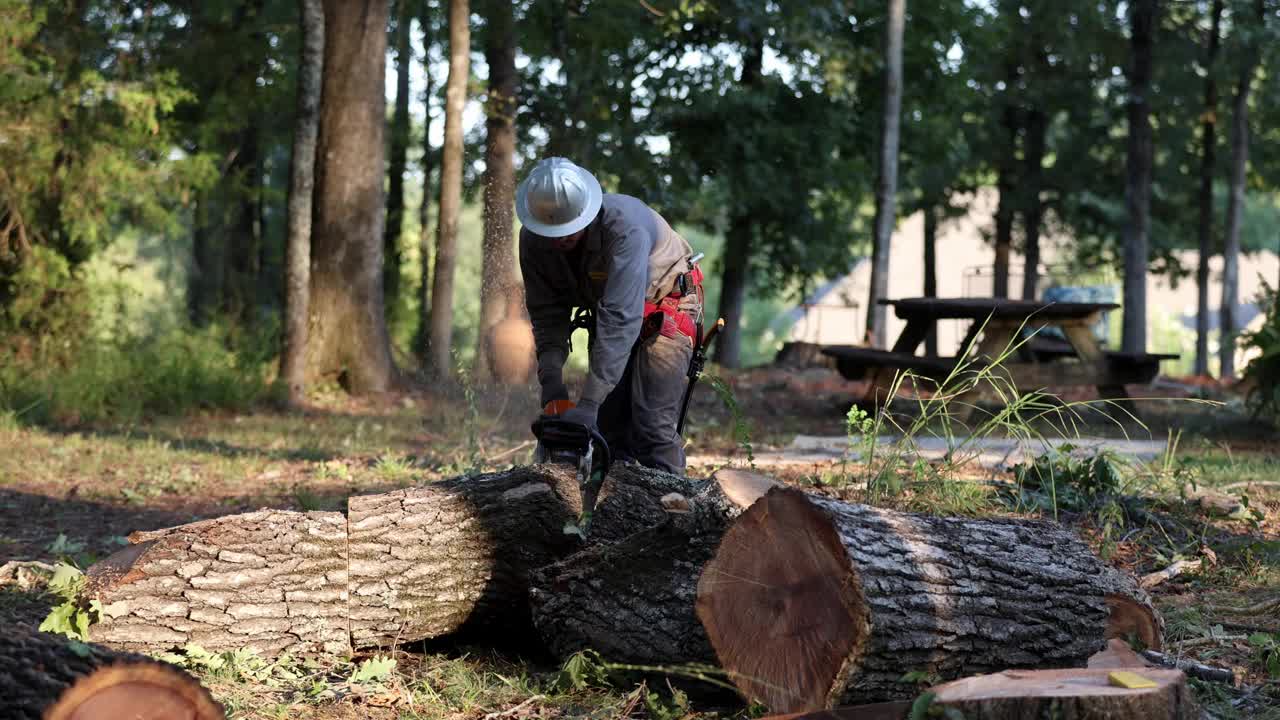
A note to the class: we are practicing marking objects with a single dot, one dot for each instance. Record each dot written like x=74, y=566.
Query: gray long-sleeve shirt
x=628, y=255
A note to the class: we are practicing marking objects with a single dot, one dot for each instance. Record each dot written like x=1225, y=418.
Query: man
x=616, y=257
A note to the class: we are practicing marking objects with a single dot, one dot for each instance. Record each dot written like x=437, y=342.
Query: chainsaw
x=582, y=448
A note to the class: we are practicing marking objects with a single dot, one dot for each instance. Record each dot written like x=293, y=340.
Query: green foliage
x=71, y=617
x=376, y=669
x=741, y=429
x=583, y=670
x=1267, y=647
x=672, y=705
x=1262, y=374
x=123, y=379
x=1073, y=481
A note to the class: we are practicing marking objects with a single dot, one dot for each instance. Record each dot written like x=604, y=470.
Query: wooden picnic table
x=997, y=324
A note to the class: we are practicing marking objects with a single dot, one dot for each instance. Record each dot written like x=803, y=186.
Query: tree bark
x=498, y=277
x=272, y=580
x=1033, y=204
x=1208, y=148
x=301, y=186
x=1142, y=19
x=1073, y=693
x=399, y=154
x=440, y=360
x=423, y=341
x=44, y=677
x=931, y=271
x=633, y=600
x=471, y=569
x=737, y=247
x=348, y=333
x=887, y=188
x=842, y=600
x=398, y=567
x=1229, y=325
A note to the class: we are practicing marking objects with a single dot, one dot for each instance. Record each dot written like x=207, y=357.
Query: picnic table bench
x=997, y=323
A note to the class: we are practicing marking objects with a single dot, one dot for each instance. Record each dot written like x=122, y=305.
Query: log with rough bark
x=633, y=600
x=45, y=677
x=811, y=602
x=399, y=567
x=271, y=580
x=1085, y=694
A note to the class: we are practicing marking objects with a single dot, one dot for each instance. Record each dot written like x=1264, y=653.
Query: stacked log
x=1075, y=693
x=811, y=602
x=44, y=677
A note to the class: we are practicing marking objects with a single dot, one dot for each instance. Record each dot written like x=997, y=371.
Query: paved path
x=809, y=450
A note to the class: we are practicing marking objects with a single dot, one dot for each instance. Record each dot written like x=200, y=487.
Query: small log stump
x=1073, y=694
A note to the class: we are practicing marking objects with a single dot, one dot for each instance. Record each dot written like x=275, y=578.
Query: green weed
x=741, y=429
x=72, y=617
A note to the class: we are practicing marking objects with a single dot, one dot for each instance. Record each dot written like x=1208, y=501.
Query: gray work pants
x=638, y=419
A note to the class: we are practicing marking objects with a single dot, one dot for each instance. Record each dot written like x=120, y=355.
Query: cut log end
x=1132, y=617
x=136, y=690
x=1078, y=693
x=808, y=606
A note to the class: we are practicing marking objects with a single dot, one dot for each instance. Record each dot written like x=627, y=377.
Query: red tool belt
x=664, y=317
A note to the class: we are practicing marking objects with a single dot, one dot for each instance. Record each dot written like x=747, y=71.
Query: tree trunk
x=737, y=247
x=272, y=580
x=842, y=600
x=348, y=334
x=204, y=284
x=1007, y=204
x=1033, y=205
x=243, y=241
x=440, y=360
x=45, y=677
x=886, y=191
x=1229, y=324
x=1142, y=20
x=498, y=277
x=301, y=186
x=399, y=153
x=733, y=291
x=633, y=601
x=1074, y=693
x=423, y=341
x=398, y=567
x=931, y=271
x=1208, y=147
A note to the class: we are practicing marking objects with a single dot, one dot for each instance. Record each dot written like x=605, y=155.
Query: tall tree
x=348, y=334
x=1235, y=196
x=399, y=154
x=931, y=271
x=1006, y=207
x=737, y=251
x=423, y=341
x=1037, y=128
x=887, y=189
x=1143, y=15
x=301, y=186
x=1208, y=143
x=498, y=277
x=450, y=190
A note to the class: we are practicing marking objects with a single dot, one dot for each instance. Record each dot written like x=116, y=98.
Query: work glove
x=584, y=413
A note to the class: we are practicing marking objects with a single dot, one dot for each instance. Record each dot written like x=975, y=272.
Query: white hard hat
x=557, y=199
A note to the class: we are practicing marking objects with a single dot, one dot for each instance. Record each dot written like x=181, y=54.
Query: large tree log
x=810, y=602
x=402, y=566
x=1080, y=694
x=271, y=580
x=44, y=677
x=633, y=601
